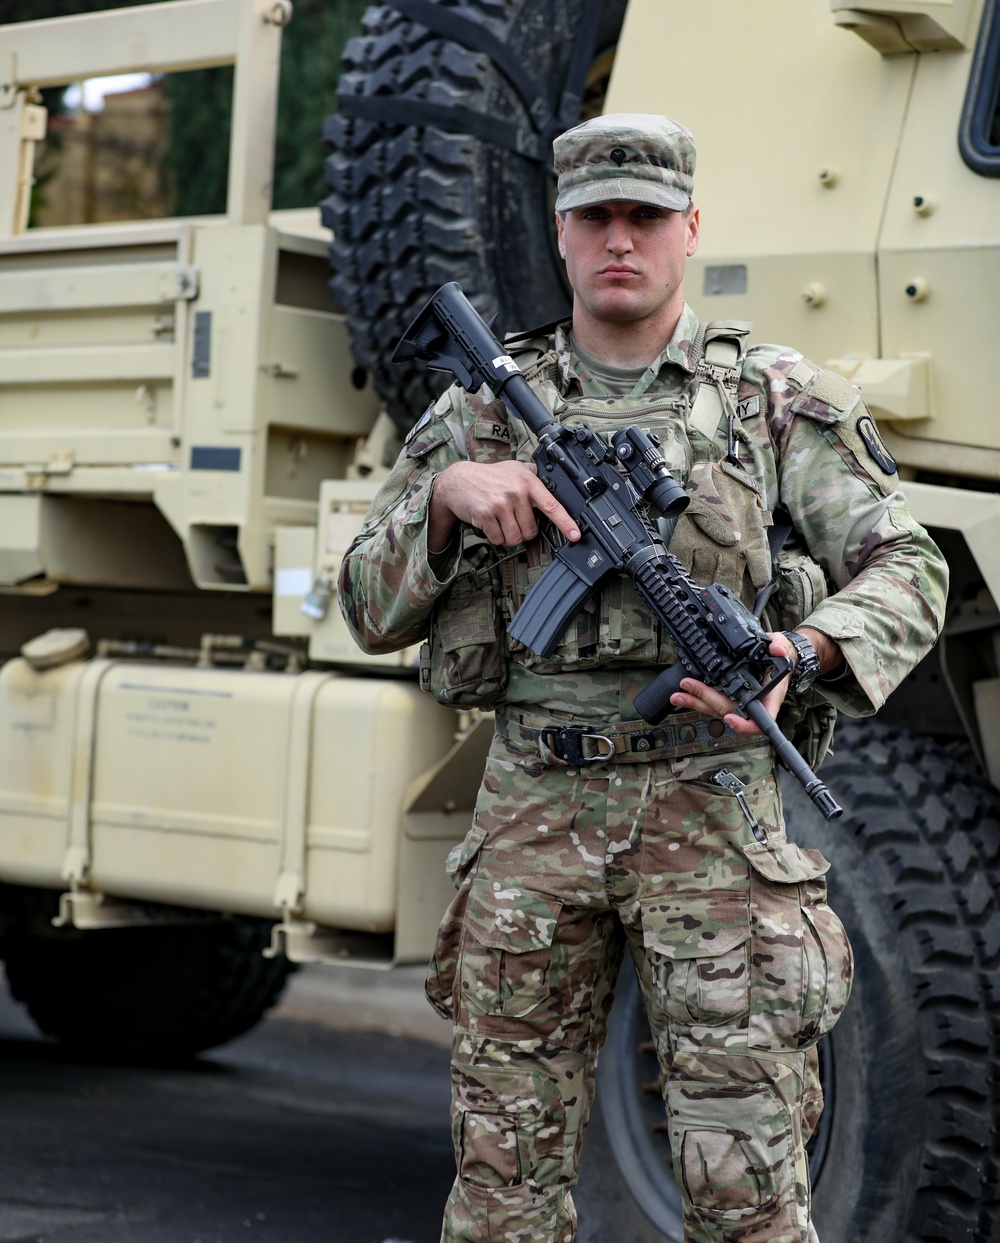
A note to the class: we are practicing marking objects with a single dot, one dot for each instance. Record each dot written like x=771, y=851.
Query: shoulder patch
x=861, y=436
x=875, y=445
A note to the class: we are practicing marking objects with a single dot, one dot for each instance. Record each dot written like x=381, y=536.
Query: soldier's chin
x=623, y=311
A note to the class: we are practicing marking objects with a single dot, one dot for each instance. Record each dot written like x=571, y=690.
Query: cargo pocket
x=439, y=985
x=507, y=949
x=486, y=1144
x=468, y=657
x=505, y=1132
x=829, y=963
x=703, y=795
x=801, y=961
x=696, y=944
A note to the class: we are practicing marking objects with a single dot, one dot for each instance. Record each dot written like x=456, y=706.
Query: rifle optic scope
x=638, y=453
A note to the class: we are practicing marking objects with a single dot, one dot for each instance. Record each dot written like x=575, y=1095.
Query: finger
x=546, y=503
x=513, y=533
x=704, y=698
x=524, y=516
x=491, y=528
x=695, y=696
x=774, y=698
x=693, y=703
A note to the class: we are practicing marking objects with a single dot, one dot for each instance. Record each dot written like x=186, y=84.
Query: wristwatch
x=805, y=671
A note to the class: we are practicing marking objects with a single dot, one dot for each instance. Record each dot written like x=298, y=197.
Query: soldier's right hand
x=500, y=498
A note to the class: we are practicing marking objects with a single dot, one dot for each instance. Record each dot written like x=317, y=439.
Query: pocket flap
x=465, y=619
x=696, y=925
x=431, y=437
x=465, y=851
x=785, y=862
x=512, y=918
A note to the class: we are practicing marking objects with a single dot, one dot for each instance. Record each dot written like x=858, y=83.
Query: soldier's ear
x=693, y=230
x=560, y=230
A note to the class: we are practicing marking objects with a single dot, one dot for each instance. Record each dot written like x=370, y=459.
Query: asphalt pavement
x=329, y=1123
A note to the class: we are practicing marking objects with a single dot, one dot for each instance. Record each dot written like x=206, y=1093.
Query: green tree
x=201, y=104
x=310, y=67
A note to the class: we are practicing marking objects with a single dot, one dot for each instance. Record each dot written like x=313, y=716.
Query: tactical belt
x=619, y=742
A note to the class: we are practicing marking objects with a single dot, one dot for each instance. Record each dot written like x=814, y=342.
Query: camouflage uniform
x=628, y=840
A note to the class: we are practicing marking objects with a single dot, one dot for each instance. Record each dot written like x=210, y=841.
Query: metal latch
x=729, y=781
x=179, y=284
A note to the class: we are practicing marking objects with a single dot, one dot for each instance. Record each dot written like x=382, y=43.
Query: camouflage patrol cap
x=639, y=157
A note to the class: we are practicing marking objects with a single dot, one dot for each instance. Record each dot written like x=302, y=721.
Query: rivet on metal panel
x=814, y=294
x=923, y=205
x=917, y=289
x=828, y=177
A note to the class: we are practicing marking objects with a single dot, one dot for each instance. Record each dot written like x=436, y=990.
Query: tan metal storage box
x=239, y=791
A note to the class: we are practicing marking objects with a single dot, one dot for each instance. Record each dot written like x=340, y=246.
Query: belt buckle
x=567, y=745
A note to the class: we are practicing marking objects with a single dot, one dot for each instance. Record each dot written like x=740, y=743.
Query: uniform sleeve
x=840, y=487
x=389, y=581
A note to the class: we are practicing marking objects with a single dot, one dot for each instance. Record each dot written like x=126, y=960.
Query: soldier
x=593, y=832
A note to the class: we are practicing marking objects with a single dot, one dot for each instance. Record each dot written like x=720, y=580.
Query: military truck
x=196, y=765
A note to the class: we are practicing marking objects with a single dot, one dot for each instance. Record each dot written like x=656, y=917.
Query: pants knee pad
x=734, y=1153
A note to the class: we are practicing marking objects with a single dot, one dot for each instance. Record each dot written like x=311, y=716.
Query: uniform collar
x=678, y=353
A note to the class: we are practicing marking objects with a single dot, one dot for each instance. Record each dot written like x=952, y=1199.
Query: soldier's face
x=625, y=261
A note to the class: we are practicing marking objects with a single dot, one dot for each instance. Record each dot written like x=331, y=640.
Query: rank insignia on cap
x=618, y=156
x=875, y=445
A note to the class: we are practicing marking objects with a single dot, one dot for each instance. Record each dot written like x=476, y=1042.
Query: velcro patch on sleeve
x=826, y=397
x=832, y=388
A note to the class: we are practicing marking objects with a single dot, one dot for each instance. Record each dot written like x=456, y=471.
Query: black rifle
x=608, y=489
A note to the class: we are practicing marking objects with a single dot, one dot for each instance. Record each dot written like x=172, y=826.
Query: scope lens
x=667, y=496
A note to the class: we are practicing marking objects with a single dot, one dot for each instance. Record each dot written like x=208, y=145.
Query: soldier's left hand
x=696, y=696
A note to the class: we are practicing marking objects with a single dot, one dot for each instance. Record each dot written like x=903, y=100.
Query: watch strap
x=806, y=668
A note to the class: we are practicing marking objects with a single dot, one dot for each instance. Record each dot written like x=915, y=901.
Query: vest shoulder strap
x=719, y=350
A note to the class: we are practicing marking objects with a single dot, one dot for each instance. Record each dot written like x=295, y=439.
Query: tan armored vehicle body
x=191, y=429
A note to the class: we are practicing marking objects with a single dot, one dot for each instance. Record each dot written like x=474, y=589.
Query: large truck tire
x=148, y=994
x=439, y=167
x=909, y=1147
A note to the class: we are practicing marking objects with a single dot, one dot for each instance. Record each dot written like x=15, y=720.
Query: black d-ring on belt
x=616, y=742
x=567, y=745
